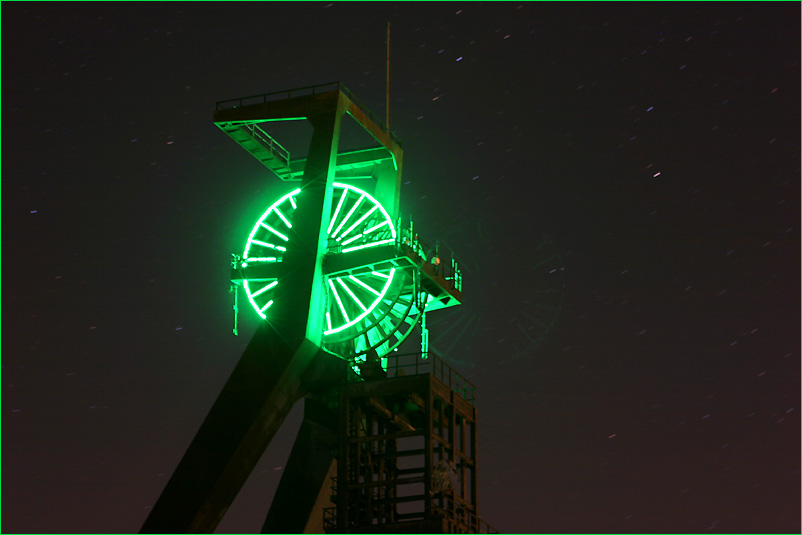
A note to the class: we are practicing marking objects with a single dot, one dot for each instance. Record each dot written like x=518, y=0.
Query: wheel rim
x=379, y=306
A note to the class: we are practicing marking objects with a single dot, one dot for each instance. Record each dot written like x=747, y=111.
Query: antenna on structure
x=387, y=122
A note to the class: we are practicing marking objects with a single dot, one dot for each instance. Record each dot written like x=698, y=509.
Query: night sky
x=635, y=166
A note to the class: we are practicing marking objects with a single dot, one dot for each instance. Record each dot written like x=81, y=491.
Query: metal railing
x=432, y=255
x=269, y=143
x=401, y=364
x=303, y=91
x=459, y=514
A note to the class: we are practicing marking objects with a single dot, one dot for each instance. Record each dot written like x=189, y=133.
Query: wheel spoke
x=265, y=288
x=351, y=294
x=274, y=231
x=337, y=211
x=365, y=286
x=351, y=239
x=268, y=245
x=370, y=244
x=283, y=217
x=357, y=222
x=350, y=213
x=371, y=229
x=339, y=301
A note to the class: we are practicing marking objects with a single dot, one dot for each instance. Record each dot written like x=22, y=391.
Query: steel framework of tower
x=397, y=439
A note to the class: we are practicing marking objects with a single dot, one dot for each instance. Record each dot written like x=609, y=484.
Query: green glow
x=365, y=310
x=362, y=302
x=265, y=244
x=384, y=213
x=350, y=293
x=365, y=286
x=353, y=209
x=358, y=221
x=339, y=302
x=265, y=288
x=283, y=217
x=371, y=229
x=351, y=239
x=274, y=231
x=337, y=211
x=250, y=298
x=366, y=245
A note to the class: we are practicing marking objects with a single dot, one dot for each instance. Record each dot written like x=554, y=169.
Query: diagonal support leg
x=306, y=473
x=268, y=380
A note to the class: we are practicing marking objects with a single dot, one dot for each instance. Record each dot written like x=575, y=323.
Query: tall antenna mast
x=387, y=122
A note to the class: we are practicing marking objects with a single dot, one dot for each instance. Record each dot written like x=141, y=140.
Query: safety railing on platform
x=274, y=147
x=302, y=91
x=401, y=364
x=457, y=513
x=432, y=255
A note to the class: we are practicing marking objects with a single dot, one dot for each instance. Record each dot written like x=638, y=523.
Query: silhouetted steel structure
x=340, y=286
x=407, y=453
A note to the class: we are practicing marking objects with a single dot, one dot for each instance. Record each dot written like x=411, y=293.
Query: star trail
x=618, y=181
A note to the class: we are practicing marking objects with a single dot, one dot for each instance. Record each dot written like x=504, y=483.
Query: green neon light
x=357, y=297
x=353, y=209
x=274, y=231
x=350, y=293
x=379, y=274
x=365, y=286
x=358, y=221
x=264, y=216
x=366, y=245
x=351, y=239
x=283, y=217
x=372, y=200
x=371, y=229
x=250, y=298
x=339, y=302
x=264, y=244
x=337, y=211
x=382, y=293
x=265, y=288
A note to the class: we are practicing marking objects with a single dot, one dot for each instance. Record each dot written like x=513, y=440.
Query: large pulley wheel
x=365, y=310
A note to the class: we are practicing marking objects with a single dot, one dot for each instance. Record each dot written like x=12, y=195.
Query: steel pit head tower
x=388, y=440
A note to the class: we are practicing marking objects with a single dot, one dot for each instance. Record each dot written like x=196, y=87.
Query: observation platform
x=240, y=119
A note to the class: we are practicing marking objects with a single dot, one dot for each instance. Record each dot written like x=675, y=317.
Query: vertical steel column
x=474, y=456
x=306, y=471
x=427, y=444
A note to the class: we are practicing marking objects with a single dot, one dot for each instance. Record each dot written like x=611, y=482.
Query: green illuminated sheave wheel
x=388, y=324
x=366, y=309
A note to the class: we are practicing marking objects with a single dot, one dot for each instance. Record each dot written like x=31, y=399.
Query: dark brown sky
x=647, y=151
